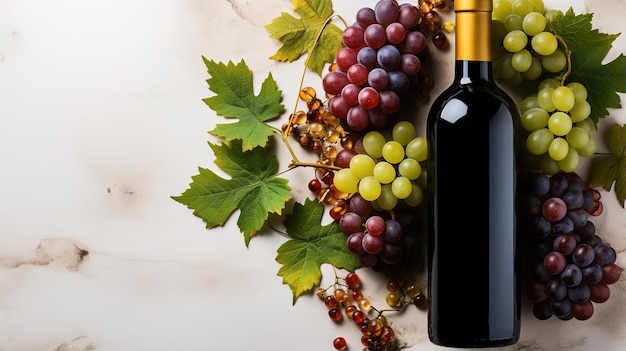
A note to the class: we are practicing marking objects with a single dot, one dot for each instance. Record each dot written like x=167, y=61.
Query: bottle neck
x=473, y=46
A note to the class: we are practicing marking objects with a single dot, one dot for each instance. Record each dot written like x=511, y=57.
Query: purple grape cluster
x=376, y=239
x=570, y=266
x=376, y=65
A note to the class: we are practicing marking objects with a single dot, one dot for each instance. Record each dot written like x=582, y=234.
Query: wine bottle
x=473, y=282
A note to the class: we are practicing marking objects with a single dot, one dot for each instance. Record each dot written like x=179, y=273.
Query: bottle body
x=474, y=298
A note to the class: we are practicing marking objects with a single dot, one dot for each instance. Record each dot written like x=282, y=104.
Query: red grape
x=554, y=209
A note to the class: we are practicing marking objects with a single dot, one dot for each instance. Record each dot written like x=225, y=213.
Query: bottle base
x=473, y=344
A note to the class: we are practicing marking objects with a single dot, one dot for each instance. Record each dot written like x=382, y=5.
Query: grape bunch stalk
x=570, y=267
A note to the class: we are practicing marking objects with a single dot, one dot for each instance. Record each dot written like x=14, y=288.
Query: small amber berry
x=299, y=117
x=349, y=310
x=387, y=334
x=321, y=293
x=413, y=289
x=339, y=343
x=358, y=317
x=440, y=40
x=307, y=94
x=335, y=314
x=353, y=280
x=420, y=301
x=330, y=301
x=374, y=326
x=365, y=304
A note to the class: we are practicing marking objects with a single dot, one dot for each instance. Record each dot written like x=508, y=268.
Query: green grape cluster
x=558, y=125
x=523, y=46
x=389, y=171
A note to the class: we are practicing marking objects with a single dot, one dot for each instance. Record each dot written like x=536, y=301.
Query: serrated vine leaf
x=232, y=84
x=609, y=169
x=589, y=48
x=299, y=34
x=310, y=246
x=254, y=188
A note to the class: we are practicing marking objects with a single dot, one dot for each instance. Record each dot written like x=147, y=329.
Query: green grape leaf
x=310, y=246
x=298, y=35
x=611, y=168
x=589, y=48
x=254, y=188
x=232, y=84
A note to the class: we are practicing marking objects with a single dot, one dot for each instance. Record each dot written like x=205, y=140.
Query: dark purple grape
x=378, y=78
x=562, y=309
x=574, y=179
x=355, y=243
x=387, y=12
x=398, y=81
x=413, y=43
x=540, y=227
x=592, y=274
x=358, y=118
x=372, y=244
x=541, y=310
x=393, y=232
x=558, y=185
x=611, y=273
x=343, y=158
x=588, y=198
x=556, y=290
x=540, y=274
x=367, y=57
x=599, y=293
x=564, y=226
x=571, y=275
x=388, y=57
x=565, y=244
x=583, y=255
x=365, y=16
x=410, y=16
x=587, y=231
x=378, y=118
x=368, y=260
x=410, y=64
x=389, y=102
x=531, y=206
x=539, y=183
x=573, y=199
x=554, y=209
x=536, y=291
x=395, y=33
x=604, y=254
x=579, y=294
x=375, y=36
x=360, y=206
x=351, y=223
x=579, y=217
x=582, y=311
x=391, y=254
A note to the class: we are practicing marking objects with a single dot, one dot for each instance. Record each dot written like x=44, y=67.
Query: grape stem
x=295, y=162
x=568, y=55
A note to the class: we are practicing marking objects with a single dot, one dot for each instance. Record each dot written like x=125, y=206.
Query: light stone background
x=102, y=121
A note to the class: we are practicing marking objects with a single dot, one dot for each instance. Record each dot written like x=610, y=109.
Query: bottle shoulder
x=474, y=94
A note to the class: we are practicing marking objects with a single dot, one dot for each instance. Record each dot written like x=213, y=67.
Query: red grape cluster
x=376, y=65
x=571, y=267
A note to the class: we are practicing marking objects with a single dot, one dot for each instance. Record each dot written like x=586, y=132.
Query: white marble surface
x=102, y=121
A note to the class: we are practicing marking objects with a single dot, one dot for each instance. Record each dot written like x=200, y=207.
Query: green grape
x=560, y=123
x=548, y=165
x=417, y=149
x=544, y=43
x=345, y=181
x=384, y=172
x=580, y=111
x=516, y=80
x=369, y=188
x=529, y=102
x=563, y=98
x=589, y=149
x=416, y=197
x=558, y=149
x=513, y=22
x=521, y=60
x=552, y=13
x=401, y=187
x=501, y=9
x=538, y=142
x=544, y=99
x=534, y=23
x=504, y=68
x=387, y=200
x=535, y=118
x=410, y=168
x=522, y=7
x=362, y=165
x=579, y=90
x=393, y=152
x=423, y=179
x=554, y=63
x=548, y=83
x=403, y=132
x=538, y=6
x=515, y=41
x=577, y=138
x=570, y=162
x=587, y=125
x=534, y=71
x=497, y=35
x=373, y=144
